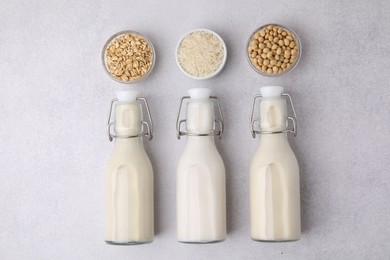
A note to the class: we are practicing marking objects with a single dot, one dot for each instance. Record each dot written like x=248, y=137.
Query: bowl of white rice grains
x=201, y=54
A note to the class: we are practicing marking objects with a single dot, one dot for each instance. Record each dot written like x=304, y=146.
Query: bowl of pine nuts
x=273, y=50
x=128, y=57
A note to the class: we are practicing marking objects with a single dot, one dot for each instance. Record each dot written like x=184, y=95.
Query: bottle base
x=277, y=240
x=202, y=242
x=129, y=243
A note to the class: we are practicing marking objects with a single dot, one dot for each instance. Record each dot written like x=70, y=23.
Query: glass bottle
x=128, y=184
x=200, y=183
x=274, y=171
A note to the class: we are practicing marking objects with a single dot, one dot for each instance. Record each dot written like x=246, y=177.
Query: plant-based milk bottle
x=274, y=172
x=128, y=198
x=200, y=180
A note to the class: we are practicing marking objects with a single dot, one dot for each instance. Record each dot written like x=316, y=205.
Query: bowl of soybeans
x=273, y=50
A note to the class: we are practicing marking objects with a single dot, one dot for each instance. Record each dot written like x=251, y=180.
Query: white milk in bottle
x=128, y=200
x=200, y=186
x=274, y=173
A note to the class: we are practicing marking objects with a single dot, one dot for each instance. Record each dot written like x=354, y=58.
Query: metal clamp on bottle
x=179, y=121
x=147, y=127
x=293, y=119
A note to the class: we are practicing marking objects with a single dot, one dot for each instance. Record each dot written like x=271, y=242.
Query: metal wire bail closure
x=147, y=127
x=293, y=119
x=179, y=121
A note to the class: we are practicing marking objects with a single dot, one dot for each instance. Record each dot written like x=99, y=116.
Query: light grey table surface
x=53, y=109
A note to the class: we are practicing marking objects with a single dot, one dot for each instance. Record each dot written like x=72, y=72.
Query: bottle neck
x=128, y=120
x=273, y=114
x=200, y=116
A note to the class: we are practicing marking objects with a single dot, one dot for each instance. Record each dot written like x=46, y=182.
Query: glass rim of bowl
x=292, y=67
x=104, y=56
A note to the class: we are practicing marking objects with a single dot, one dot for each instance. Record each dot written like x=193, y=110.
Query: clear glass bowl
x=104, y=56
x=297, y=41
x=213, y=74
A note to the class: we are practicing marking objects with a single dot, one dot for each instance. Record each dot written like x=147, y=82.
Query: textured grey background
x=55, y=95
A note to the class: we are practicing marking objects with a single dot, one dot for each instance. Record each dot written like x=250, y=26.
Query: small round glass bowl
x=292, y=66
x=215, y=72
x=112, y=39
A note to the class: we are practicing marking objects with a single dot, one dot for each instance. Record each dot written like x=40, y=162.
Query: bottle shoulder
x=285, y=160
x=278, y=152
x=139, y=161
x=201, y=154
x=133, y=149
x=210, y=160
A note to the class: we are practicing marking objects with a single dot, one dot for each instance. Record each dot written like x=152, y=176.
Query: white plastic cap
x=271, y=91
x=127, y=95
x=199, y=93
